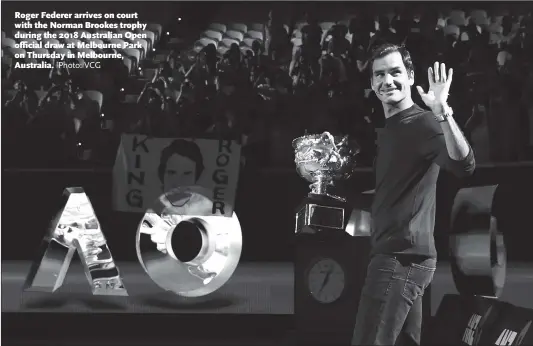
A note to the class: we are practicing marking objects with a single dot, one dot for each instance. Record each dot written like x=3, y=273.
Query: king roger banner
x=146, y=167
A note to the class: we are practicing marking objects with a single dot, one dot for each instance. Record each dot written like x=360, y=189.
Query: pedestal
x=328, y=318
x=319, y=213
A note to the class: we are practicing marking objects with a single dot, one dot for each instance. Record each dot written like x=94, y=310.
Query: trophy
x=322, y=159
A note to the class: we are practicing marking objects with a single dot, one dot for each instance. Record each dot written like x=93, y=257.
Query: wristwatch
x=442, y=117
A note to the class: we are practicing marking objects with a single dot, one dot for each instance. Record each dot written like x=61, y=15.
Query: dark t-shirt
x=411, y=150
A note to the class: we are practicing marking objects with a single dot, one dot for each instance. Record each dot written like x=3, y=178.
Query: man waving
x=414, y=145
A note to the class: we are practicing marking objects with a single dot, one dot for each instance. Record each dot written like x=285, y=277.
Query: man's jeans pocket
x=380, y=275
x=386, y=271
x=417, y=279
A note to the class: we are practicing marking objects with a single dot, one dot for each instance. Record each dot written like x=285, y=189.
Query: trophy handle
x=330, y=138
x=343, y=141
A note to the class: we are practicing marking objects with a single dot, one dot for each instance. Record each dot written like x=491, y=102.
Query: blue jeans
x=390, y=308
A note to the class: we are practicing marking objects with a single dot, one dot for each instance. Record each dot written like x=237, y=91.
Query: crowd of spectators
x=267, y=83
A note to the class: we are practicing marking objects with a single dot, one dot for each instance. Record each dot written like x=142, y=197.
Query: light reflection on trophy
x=322, y=159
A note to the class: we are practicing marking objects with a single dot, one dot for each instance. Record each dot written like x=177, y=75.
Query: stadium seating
x=140, y=64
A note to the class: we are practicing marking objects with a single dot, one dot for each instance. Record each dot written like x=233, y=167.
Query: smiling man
x=414, y=146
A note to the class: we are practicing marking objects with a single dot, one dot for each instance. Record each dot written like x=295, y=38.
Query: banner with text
x=146, y=167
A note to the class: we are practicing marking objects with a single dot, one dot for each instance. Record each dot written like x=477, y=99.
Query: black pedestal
x=514, y=326
x=460, y=320
x=331, y=322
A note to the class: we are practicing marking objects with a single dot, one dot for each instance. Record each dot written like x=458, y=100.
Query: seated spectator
x=277, y=41
x=81, y=129
x=152, y=103
x=232, y=66
x=403, y=24
x=304, y=68
x=164, y=77
x=233, y=57
x=17, y=114
x=258, y=50
x=59, y=74
x=166, y=71
x=358, y=49
x=199, y=74
x=334, y=69
x=312, y=34
x=64, y=93
x=338, y=45
x=22, y=108
x=257, y=63
x=230, y=107
x=211, y=58
x=385, y=34
x=115, y=77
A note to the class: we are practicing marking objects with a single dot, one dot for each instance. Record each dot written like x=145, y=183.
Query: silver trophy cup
x=323, y=159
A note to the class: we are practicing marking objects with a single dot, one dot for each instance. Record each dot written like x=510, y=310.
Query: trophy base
x=320, y=213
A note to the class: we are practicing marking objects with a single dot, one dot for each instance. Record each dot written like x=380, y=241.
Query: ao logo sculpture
x=76, y=228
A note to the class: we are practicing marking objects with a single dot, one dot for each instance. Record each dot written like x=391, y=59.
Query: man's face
x=390, y=80
x=181, y=171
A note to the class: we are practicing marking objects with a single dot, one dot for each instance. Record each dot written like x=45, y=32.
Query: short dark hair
x=389, y=48
x=185, y=148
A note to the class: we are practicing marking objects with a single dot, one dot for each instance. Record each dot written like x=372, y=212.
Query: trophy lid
x=325, y=139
